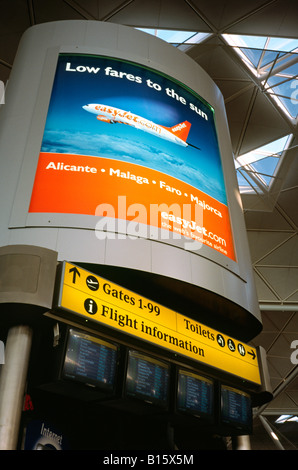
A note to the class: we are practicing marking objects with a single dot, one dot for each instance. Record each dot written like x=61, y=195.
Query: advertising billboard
x=124, y=142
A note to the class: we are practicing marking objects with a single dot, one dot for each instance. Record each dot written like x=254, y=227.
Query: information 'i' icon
x=90, y=306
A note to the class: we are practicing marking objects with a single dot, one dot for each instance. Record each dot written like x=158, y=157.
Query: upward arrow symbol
x=75, y=272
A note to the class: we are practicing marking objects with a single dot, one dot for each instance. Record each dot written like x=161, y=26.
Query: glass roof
x=183, y=40
x=285, y=418
x=274, y=61
x=257, y=169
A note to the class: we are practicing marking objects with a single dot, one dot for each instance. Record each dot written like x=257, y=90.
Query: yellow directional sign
x=97, y=299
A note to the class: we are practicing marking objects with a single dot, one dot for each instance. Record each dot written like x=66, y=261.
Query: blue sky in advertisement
x=85, y=79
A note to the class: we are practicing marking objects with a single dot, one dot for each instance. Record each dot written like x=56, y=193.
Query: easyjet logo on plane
x=177, y=134
x=179, y=127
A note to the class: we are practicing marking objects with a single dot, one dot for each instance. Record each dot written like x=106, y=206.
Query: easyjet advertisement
x=126, y=143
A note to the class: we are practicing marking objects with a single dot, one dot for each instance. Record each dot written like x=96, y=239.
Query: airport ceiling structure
x=250, y=50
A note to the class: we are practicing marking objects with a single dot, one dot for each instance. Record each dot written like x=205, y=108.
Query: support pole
x=12, y=384
x=270, y=433
x=243, y=443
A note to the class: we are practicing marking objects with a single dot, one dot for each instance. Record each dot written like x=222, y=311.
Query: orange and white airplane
x=177, y=134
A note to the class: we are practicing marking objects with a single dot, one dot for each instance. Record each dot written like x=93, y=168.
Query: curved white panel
x=105, y=129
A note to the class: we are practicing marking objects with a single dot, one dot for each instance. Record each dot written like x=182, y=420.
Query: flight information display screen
x=236, y=408
x=195, y=395
x=147, y=378
x=90, y=360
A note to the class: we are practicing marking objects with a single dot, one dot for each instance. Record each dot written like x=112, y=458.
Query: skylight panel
x=271, y=57
x=245, y=183
x=286, y=94
x=282, y=44
x=181, y=39
x=257, y=169
x=285, y=418
x=262, y=42
x=260, y=153
x=284, y=87
x=169, y=35
x=253, y=55
x=256, y=42
x=274, y=61
x=263, y=53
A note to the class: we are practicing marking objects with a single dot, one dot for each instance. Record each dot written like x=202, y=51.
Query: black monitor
x=147, y=379
x=195, y=396
x=235, y=410
x=90, y=360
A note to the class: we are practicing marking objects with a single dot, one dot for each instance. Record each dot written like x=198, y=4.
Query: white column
x=243, y=443
x=12, y=384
